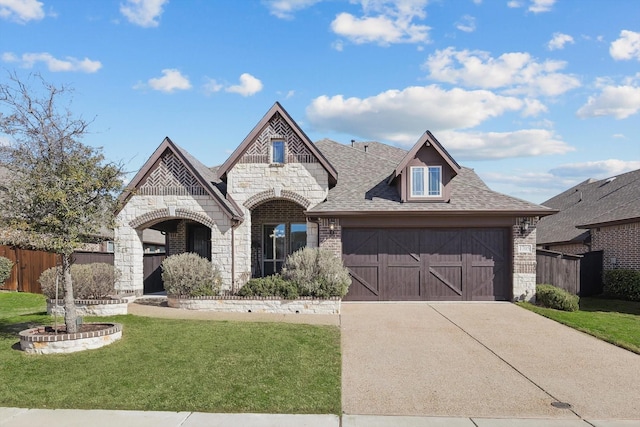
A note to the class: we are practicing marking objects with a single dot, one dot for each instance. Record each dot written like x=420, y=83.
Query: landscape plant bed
x=614, y=321
x=240, y=304
x=93, y=307
x=175, y=365
x=55, y=339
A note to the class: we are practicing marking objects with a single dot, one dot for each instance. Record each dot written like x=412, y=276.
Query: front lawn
x=176, y=365
x=614, y=321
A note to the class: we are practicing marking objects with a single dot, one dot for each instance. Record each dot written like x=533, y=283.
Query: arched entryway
x=278, y=228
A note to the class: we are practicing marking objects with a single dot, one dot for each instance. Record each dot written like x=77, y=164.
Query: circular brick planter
x=40, y=341
x=92, y=307
x=234, y=304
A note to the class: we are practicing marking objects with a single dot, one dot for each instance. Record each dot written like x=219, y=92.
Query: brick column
x=524, y=260
x=331, y=239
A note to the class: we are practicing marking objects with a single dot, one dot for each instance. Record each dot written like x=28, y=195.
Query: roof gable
x=428, y=140
x=276, y=123
x=591, y=204
x=171, y=168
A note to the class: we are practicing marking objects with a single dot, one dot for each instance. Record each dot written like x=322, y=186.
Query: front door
x=199, y=240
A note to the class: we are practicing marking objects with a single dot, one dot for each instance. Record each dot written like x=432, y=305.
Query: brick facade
x=330, y=239
x=621, y=245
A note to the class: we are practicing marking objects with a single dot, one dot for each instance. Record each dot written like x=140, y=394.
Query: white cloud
x=170, y=81
x=212, y=86
x=626, y=47
x=284, y=9
x=515, y=72
x=401, y=115
x=618, y=136
x=467, y=24
x=501, y=145
x=596, y=169
x=538, y=6
x=535, y=6
x=384, y=22
x=248, y=86
x=617, y=101
x=144, y=13
x=21, y=11
x=28, y=60
x=338, y=45
x=559, y=40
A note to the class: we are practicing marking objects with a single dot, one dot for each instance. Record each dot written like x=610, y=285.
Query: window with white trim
x=426, y=181
x=277, y=151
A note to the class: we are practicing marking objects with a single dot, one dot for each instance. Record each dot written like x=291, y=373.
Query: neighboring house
x=409, y=225
x=595, y=215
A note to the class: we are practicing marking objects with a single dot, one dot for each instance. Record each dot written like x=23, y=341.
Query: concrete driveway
x=480, y=360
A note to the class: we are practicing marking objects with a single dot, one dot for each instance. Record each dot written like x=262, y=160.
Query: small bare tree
x=59, y=191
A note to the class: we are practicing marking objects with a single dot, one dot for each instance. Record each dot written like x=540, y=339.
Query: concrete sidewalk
x=19, y=417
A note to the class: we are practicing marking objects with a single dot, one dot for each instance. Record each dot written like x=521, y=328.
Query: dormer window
x=426, y=181
x=277, y=151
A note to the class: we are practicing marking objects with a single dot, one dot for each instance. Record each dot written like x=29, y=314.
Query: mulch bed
x=85, y=327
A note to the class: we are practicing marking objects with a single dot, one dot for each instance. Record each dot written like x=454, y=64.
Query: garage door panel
x=428, y=264
x=404, y=285
x=364, y=284
x=444, y=283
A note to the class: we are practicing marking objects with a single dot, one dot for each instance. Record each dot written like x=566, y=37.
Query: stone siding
x=621, y=245
x=524, y=261
x=142, y=211
x=298, y=306
x=252, y=184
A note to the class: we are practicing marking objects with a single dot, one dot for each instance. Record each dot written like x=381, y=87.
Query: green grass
x=176, y=365
x=614, y=321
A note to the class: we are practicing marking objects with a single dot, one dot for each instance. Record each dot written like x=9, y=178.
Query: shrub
x=270, y=286
x=90, y=281
x=623, y=284
x=559, y=299
x=188, y=274
x=6, y=265
x=317, y=273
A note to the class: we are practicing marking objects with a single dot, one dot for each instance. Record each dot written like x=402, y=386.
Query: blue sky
x=535, y=95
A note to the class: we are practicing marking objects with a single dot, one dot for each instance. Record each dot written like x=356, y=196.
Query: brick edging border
x=28, y=334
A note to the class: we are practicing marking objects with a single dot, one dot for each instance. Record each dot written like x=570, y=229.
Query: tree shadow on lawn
x=610, y=305
x=9, y=328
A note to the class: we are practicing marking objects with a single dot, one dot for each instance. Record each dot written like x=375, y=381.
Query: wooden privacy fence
x=29, y=265
x=558, y=269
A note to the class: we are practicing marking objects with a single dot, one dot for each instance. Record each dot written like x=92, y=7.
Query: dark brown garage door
x=427, y=264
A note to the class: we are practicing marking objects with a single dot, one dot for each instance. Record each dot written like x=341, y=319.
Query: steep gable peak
x=276, y=124
x=426, y=140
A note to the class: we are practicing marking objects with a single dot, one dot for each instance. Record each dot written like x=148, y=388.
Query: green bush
x=188, y=274
x=6, y=265
x=623, y=284
x=317, y=273
x=270, y=286
x=90, y=281
x=559, y=299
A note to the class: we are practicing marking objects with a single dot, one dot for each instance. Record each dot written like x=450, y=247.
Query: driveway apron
x=480, y=360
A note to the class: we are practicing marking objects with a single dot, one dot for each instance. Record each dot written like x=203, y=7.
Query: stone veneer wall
x=524, y=261
x=145, y=210
x=300, y=182
x=620, y=243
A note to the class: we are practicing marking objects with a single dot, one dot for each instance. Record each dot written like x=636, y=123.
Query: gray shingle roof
x=362, y=187
x=591, y=203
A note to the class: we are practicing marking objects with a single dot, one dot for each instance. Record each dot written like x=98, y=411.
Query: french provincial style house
x=409, y=225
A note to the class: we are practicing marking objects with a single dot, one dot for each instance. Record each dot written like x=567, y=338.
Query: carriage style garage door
x=427, y=264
